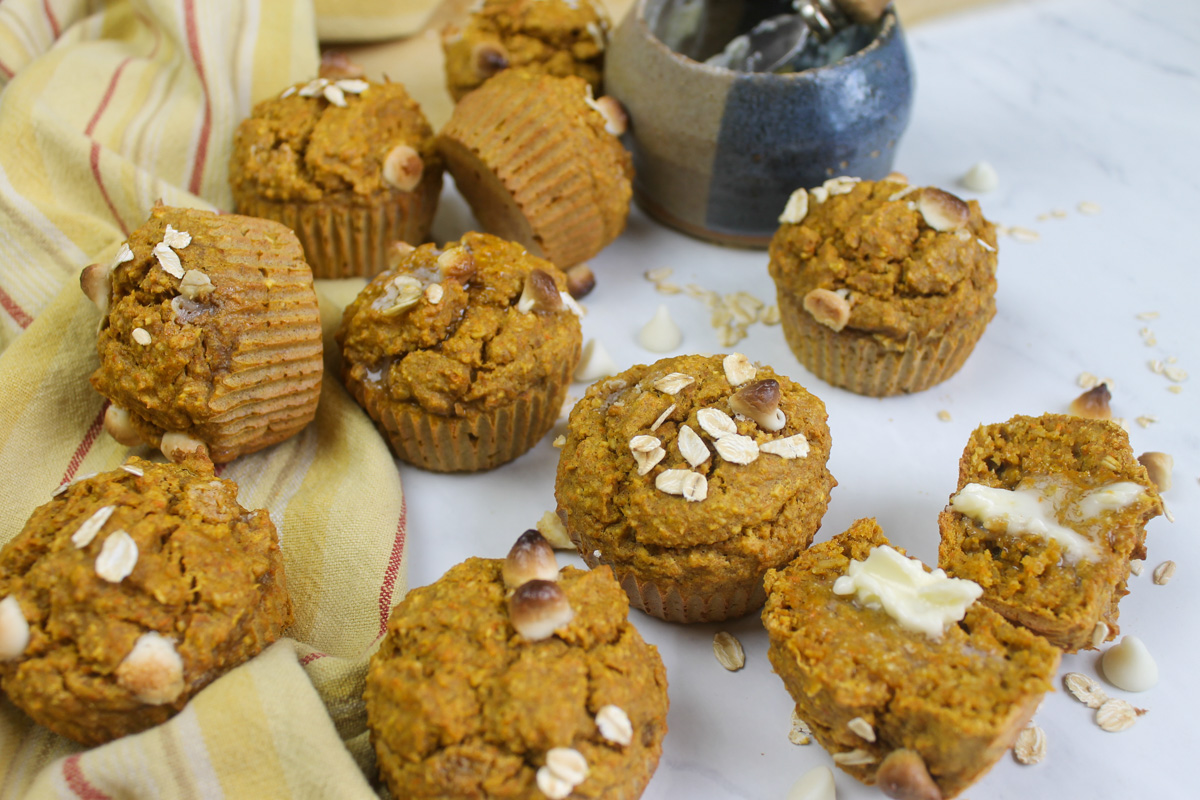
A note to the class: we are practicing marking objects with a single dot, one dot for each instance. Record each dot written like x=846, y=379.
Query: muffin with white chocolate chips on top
x=884, y=288
x=691, y=478
x=130, y=591
x=540, y=686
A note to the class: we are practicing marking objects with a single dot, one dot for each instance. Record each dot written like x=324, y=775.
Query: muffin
x=554, y=37
x=348, y=164
x=131, y=591
x=884, y=288
x=210, y=337
x=506, y=678
x=538, y=162
x=691, y=478
x=914, y=688
x=1048, y=512
x=462, y=355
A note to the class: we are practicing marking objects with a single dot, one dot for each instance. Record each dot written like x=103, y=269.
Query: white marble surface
x=1072, y=101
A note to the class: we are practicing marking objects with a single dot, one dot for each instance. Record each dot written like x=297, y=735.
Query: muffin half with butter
x=347, y=163
x=884, y=288
x=462, y=354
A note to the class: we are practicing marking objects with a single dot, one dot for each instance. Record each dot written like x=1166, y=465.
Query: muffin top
x=692, y=450
x=885, y=258
x=185, y=306
x=470, y=688
x=461, y=329
x=138, y=587
x=351, y=140
x=555, y=37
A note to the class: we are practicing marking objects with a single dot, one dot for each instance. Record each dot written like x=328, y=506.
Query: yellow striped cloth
x=104, y=109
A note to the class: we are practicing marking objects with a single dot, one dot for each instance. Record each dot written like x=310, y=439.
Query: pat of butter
x=1021, y=511
x=920, y=601
x=1113, y=497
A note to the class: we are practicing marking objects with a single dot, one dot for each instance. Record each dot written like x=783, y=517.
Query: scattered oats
x=800, y=733
x=91, y=526
x=1030, y=747
x=117, y=558
x=1116, y=715
x=728, y=651
x=1156, y=366
x=853, y=758
x=124, y=254
x=1023, y=234
x=1176, y=374
x=770, y=315
x=1136, y=565
x=789, y=447
x=1085, y=689
x=667, y=287
x=738, y=449
x=1087, y=380
x=691, y=485
x=1164, y=572
x=691, y=446
x=663, y=417
x=963, y=234
x=434, y=293
x=647, y=451
x=314, y=87
x=176, y=239
x=986, y=246
x=195, y=284
x=1124, y=423
x=1086, y=207
x=399, y=294
x=673, y=382
x=1175, y=389
x=715, y=422
x=907, y=190
x=353, y=85
x=568, y=764
x=573, y=305
x=133, y=470
x=1146, y=420
x=843, y=184
x=862, y=728
x=552, y=528
x=334, y=94
x=730, y=335
x=553, y=786
x=560, y=441
x=288, y=92
x=168, y=260
x=796, y=209
x=944, y=415
x=614, y=724
x=820, y=194
x=738, y=369
x=659, y=275
x=1167, y=512
x=1148, y=315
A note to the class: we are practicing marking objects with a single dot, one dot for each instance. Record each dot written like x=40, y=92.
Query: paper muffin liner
x=466, y=444
x=515, y=157
x=341, y=240
x=858, y=362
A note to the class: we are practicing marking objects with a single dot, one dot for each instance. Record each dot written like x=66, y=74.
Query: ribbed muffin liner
x=858, y=362
x=472, y=443
x=342, y=240
x=516, y=151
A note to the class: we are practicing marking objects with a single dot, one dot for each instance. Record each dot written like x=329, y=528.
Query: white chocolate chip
x=118, y=556
x=1128, y=665
x=981, y=178
x=728, y=651
x=738, y=369
x=14, y=629
x=796, y=209
x=594, y=363
x=176, y=446
x=153, y=670
x=738, y=449
x=660, y=334
x=403, y=168
x=91, y=526
x=614, y=724
x=691, y=446
x=715, y=422
x=816, y=784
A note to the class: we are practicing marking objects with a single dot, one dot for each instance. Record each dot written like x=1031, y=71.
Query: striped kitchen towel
x=104, y=109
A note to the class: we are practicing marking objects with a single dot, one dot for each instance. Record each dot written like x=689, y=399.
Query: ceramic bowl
x=717, y=152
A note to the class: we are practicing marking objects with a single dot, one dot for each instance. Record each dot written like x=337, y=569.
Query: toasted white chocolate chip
x=538, y=608
x=434, y=293
x=551, y=527
x=531, y=558
x=1128, y=665
x=728, y=651
x=800, y=732
x=95, y=281
x=580, y=281
x=1085, y=689
x=568, y=764
x=119, y=425
x=715, y=422
x=853, y=758
x=738, y=449
x=1030, y=747
x=862, y=728
x=176, y=446
x=168, y=260
x=660, y=334
x=796, y=209
x=941, y=210
x=594, y=363
x=616, y=121
x=539, y=293
x=760, y=402
x=1115, y=715
x=692, y=486
x=738, y=369
x=118, y=556
x=1158, y=467
x=91, y=526
x=828, y=308
x=488, y=58
x=691, y=446
x=981, y=178
x=14, y=629
x=674, y=382
x=816, y=784
x=903, y=775
x=663, y=416
x=153, y=670
x=403, y=168
x=141, y=336
x=1164, y=572
x=614, y=724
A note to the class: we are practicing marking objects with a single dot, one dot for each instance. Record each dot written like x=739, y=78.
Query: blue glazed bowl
x=718, y=152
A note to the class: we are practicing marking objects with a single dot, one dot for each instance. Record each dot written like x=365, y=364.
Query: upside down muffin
x=508, y=679
x=1048, y=512
x=462, y=355
x=691, y=478
x=884, y=288
x=901, y=677
x=210, y=337
x=129, y=592
x=555, y=37
x=348, y=164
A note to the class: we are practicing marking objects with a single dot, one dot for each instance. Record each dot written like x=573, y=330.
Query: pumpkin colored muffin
x=539, y=162
x=1047, y=515
x=554, y=37
x=909, y=684
x=884, y=288
x=462, y=354
x=348, y=164
x=510, y=679
x=691, y=478
x=210, y=338
x=129, y=592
